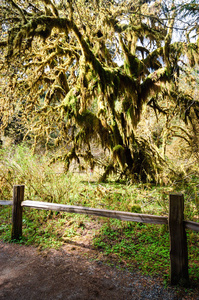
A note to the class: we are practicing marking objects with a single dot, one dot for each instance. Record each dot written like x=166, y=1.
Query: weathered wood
x=18, y=197
x=178, y=241
x=191, y=225
x=6, y=202
x=188, y=224
x=121, y=215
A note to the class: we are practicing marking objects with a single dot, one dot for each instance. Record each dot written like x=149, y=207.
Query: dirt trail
x=27, y=274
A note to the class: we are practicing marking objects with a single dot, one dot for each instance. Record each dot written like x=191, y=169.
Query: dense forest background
x=107, y=83
x=99, y=107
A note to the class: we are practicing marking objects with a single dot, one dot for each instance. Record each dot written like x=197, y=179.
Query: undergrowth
x=130, y=245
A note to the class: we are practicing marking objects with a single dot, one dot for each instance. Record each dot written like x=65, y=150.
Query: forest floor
x=75, y=271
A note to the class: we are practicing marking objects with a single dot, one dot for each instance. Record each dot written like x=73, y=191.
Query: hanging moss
x=109, y=169
x=63, y=75
x=93, y=127
x=71, y=102
x=69, y=157
x=193, y=54
x=118, y=155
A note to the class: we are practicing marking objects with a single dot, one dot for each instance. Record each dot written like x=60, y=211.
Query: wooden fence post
x=178, y=241
x=18, y=197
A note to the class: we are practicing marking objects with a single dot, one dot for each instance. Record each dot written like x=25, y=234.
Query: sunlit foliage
x=78, y=71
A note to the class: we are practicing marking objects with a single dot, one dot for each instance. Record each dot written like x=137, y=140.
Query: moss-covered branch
x=83, y=71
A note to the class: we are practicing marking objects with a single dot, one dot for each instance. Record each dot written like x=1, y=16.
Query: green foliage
x=80, y=71
x=137, y=246
x=144, y=247
x=132, y=245
x=20, y=166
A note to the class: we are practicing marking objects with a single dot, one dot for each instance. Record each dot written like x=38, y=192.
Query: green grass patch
x=137, y=246
x=145, y=247
x=133, y=245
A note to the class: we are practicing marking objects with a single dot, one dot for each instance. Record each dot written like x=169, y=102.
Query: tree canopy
x=78, y=71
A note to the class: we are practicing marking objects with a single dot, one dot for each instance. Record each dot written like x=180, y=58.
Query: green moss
x=118, y=148
x=70, y=102
x=136, y=208
x=119, y=155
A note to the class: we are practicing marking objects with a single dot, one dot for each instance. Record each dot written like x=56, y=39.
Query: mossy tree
x=82, y=70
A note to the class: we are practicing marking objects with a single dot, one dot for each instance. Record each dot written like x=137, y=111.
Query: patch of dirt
x=29, y=274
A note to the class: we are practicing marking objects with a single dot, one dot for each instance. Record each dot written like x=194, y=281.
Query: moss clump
x=135, y=208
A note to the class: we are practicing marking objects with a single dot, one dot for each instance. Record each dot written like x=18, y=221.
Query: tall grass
x=126, y=242
x=42, y=181
x=45, y=182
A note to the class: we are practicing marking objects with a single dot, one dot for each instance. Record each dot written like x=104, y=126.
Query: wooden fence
x=178, y=240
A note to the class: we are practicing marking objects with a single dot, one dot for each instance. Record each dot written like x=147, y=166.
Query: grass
x=137, y=246
x=126, y=244
x=145, y=247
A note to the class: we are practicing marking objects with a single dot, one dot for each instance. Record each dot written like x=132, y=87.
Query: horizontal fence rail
x=121, y=215
x=191, y=225
x=6, y=202
x=175, y=221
